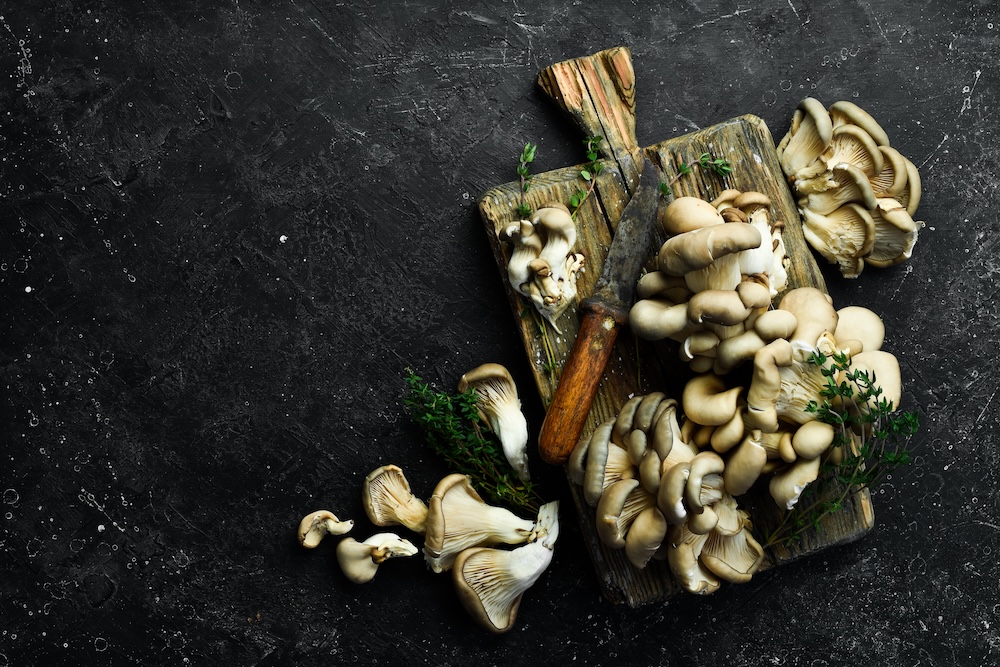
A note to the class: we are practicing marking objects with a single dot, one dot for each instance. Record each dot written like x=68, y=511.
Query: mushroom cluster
x=770, y=427
x=716, y=275
x=657, y=496
x=666, y=487
x=542, y=264
x=856, y=194
x=461, y=532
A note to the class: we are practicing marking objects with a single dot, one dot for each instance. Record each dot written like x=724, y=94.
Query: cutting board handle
x=598, y=92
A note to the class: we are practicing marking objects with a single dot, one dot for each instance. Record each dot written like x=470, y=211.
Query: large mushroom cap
x=688, y=213
x=458, y=518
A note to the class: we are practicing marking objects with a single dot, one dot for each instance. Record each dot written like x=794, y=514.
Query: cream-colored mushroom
x=458, y=518
x=645, y=536
x=683, y=556
x=732, y=557
x=708, y=401
x=499, y=405
x=359, y=561
x=317, y=525
x=685, y=214
x=388, y=501
x=862, y=324
x=491, y=582
x=809, y=136
x=618, y=507
x=853, y=186
x=895, y=234
x=787, y=485
x=745, y=464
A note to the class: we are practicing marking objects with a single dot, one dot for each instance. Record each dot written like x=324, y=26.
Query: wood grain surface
x=598, y=91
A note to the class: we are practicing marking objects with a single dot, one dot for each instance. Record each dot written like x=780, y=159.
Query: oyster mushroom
x=359, y=561
x=542, y=265
x=787, y=485
x=458, y=518
x=732, y=556
x=491, y=582
x=684, y=557
x=499, y=405
x=317, y=525
x=809, y=136
x=842, y=237
x=895, y=234
x=388, y=501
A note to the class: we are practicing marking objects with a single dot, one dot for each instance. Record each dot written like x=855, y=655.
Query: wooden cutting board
x=598, y=92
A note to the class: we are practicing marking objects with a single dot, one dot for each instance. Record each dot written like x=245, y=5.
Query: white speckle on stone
x=282, y=238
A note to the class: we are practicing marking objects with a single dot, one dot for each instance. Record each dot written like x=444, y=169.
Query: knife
x=603, y=314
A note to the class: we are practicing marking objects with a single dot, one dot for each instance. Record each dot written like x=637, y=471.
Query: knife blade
x=602, y=316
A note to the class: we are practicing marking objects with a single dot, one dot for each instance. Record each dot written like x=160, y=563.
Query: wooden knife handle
x=580, y=379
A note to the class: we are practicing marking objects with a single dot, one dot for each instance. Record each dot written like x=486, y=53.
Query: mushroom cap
x=645, y=536
x=775, y=323
x=844, y=112
x=656, y=319
x=659, y=284
x=814, y=314
x=852, y=186
x=745, y=464
x=862, y=324
x=812, y=439
x=787, y=485
x=388, y=501
x=704, y=465
x=851, y=144
x=765, y=387
x=359, y=561
x=883, y=370
x=490, y=583
x=670, y=496
x=810, y=135
x=895, y=234
x=707, y=400
x=317, y=525
x=717, y=306
x=499, y=404
x=843, y=237
x=892, y=179
x=733, y=558
x=685, y=214
x=750, y=200
x=618, y=507
x=597, y=460
x=698, y=248
x=910, y=196
x=683, y=557
x=458, y=518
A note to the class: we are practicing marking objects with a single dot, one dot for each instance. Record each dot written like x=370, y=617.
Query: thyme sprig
x=527, y=157
x=870, y=434
x=454, y=431
x=705, y=161
x=588, y=173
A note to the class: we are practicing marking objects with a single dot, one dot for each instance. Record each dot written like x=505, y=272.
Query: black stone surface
x=228, y=226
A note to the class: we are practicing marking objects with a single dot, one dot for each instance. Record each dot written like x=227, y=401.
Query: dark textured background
x=228, y=226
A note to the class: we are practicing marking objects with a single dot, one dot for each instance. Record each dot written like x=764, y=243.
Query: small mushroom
x=618, y=507
x=745, y=464
x=852, y=186
x=842, y=237
x=732, y=557
x=809, y=136
x=458, y=518
x=812, y=439
x=862, y=324
x=684, y=557
x=685, y=214
x=360, y=560
x=645, y=536
x=314, y=527
x=496, y=395
x=388, y=501
x=895, y=234
x=491, y=582
x=707, y=400
x=787, y=485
